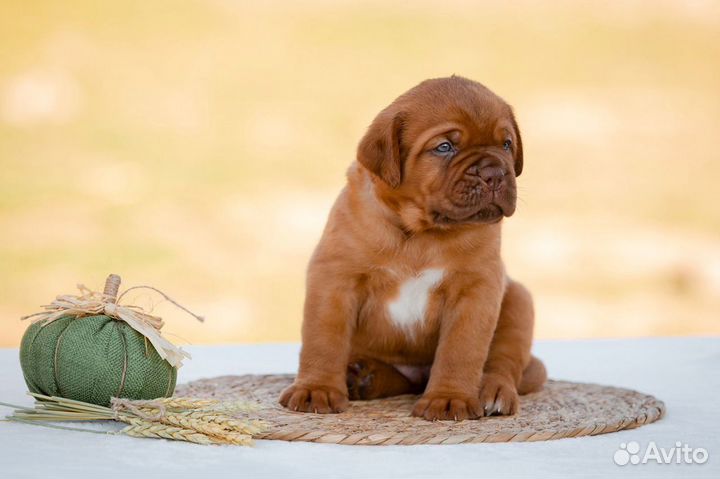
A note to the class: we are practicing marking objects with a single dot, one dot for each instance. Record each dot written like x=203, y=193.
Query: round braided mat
x=561, y=409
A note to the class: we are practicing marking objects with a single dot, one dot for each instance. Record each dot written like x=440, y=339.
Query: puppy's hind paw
x=359, y=380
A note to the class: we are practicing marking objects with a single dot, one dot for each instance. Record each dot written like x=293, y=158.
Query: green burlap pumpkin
x=92, y=359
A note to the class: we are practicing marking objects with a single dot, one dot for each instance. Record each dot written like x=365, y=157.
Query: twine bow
x=91, y=303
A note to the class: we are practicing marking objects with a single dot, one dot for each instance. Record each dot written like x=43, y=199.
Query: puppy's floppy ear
x=380, y=150
x=518, y=147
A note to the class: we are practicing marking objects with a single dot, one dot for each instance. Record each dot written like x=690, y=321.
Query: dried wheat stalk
x=201, y=421
x=149, y=429
x=179, y=403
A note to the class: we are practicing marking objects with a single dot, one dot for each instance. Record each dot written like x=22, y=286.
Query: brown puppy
x=406, y=291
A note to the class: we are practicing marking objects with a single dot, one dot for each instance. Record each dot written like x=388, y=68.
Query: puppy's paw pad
x=447, y=408
x=498, y=396
x=315, y=399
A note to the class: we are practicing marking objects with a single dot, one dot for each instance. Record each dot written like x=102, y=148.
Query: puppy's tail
x=533, y=378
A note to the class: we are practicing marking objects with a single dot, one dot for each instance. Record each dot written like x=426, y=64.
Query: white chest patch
x=409, y=307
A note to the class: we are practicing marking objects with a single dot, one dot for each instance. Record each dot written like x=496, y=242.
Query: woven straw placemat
x=562, y=409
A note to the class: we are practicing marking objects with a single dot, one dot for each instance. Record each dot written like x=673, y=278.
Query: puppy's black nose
x=493, y=176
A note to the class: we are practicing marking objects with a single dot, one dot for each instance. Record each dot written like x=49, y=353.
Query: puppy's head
x=445, y=154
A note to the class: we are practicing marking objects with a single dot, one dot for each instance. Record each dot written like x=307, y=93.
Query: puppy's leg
x=369, y=378
x=510, y=368
x=465, y=335
x=326, y=335
x=533, y=378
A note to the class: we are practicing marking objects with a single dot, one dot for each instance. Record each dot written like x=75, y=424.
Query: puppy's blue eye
x=507, y=145
x=444, y=147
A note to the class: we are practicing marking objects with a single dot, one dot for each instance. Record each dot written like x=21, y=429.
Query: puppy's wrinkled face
x=446, y=154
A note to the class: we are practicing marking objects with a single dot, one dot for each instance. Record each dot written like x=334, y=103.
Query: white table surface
x=684, y=372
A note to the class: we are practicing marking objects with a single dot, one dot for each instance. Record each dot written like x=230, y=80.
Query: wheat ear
x=140, y=428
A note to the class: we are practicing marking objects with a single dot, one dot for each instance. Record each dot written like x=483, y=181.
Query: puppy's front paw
x=434, y=407
x=498, y=395
x=317, y=399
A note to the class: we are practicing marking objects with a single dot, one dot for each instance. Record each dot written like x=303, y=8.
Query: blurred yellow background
x=197, y=146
